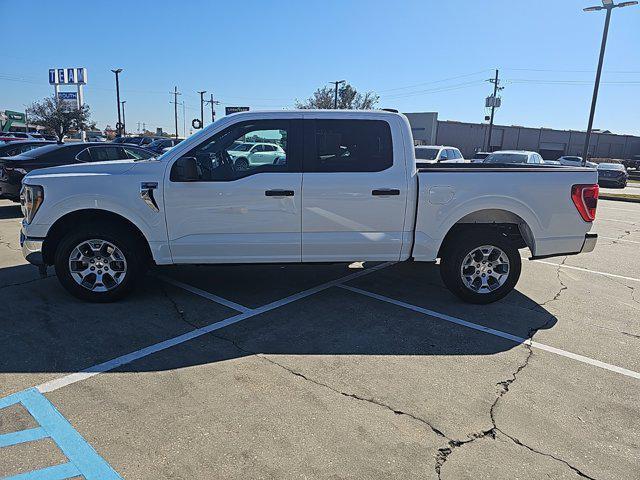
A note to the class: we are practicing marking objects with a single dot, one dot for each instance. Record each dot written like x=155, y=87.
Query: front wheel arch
x=78, y=218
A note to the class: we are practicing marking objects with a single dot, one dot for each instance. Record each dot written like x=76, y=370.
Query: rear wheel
x=98, y=264
x=480, y=267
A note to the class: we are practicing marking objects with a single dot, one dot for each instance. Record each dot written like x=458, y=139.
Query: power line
x=436, y=81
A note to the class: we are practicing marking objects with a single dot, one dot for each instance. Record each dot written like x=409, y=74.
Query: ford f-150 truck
x=346, y=188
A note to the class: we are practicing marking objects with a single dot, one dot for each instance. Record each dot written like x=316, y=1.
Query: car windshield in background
x=506, y=158
x=243, y=147
x=427, y=153
x=480, y=156
x=610, y=166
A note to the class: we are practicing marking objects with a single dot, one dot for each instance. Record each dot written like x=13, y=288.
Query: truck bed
x=537, y=198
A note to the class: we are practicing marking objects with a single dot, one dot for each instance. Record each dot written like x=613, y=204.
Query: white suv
x=427, y=155
x=247, y=154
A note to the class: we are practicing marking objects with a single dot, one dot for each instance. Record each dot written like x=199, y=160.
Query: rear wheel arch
x=504, y=222
x=77, y=218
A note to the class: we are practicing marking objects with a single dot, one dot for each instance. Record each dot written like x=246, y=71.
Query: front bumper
x=9, y=190
x=32, y=249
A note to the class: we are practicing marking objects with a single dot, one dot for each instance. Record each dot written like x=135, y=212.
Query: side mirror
x=185, y=170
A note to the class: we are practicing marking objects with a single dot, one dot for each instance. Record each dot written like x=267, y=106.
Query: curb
x=619, y=199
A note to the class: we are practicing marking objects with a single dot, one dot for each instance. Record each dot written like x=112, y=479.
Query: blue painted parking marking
x=83, y=459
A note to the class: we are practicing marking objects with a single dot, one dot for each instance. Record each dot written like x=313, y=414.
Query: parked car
x=574, y=161
x=11, y=149
x=14, y=168
x=160, y=144
x=514, y=157
x=633, y=162
x=612, y=175
x=21, y=136
x=140, y=141
x=363, y=197
x=479, y=157
x=247, y=154
x=426, y=155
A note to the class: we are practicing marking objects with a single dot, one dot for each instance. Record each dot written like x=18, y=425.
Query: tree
x=348, y=99
x=58, y=117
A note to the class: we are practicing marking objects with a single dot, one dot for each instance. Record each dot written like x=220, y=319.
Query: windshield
x=244, y=147
x=427, y=153
x=506, y=158
x=610, y=166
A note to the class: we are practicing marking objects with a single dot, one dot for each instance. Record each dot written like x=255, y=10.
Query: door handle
x=279, y=193
x=385, y=191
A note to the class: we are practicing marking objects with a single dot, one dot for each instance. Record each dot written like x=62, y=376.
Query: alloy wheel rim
x=97, y=265
x=485, y=269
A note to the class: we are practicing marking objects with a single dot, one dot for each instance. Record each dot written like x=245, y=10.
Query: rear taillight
x=585, y=198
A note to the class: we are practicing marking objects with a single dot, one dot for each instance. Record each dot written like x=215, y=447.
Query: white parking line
x=497, y=333
x=185, y=337
x=205, y=294
x=595, y=272
x=618, y=239
x=618, y=221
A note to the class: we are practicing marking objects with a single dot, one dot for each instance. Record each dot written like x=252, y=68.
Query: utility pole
x=119, y=125
x=496, y=88
x=124, y=120
x=212, y=102
x=184, y=121
x=607, y=5
x=202, y=107
x=138, y=127
x=175, y=94
x=335, y=95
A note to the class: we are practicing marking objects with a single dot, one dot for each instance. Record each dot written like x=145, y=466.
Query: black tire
x=241, y=164
x=119, y=237
x=463, y=244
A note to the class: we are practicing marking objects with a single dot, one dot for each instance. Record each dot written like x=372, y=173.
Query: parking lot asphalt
x=326, y=371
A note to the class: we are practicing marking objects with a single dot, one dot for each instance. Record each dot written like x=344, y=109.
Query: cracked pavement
x=339, y=385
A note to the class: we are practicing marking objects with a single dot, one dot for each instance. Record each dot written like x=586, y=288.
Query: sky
x=418, y=55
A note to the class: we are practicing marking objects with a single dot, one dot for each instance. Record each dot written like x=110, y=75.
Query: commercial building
x=550, y=143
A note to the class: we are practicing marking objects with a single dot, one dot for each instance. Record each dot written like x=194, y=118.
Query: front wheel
x=98, y=264
x=480, y=267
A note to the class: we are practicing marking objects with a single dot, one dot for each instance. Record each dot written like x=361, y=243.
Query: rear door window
x=103, y=154
x=347, y=146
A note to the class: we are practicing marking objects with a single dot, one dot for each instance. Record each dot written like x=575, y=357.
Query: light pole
x=607, y=5
x=124, y=119
x=335, y=95
x=119, y=126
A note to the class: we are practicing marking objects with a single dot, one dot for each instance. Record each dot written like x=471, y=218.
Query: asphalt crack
x=563, y=287
x=353, y=396
x=443, y=453
x=26, y=282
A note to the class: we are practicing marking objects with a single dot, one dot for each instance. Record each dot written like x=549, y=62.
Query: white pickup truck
x=346, y=189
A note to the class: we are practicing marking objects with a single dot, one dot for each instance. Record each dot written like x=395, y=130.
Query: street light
x=119, y=125
x=124, y=119
x=335, y=96
x=607, y=5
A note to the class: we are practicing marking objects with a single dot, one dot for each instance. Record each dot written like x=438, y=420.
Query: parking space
x=328, y=371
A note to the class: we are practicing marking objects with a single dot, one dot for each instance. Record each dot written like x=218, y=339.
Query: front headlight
x=31, y=197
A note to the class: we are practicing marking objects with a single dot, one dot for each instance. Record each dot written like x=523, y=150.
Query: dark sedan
x=160, y=144
x=612, y=175
x=13, y=169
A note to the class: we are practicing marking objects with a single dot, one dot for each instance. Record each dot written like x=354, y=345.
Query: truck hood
x=115, y=167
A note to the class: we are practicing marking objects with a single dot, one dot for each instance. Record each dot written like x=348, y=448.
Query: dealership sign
x=230, y=110
x=68, y=99
x=67, y=76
